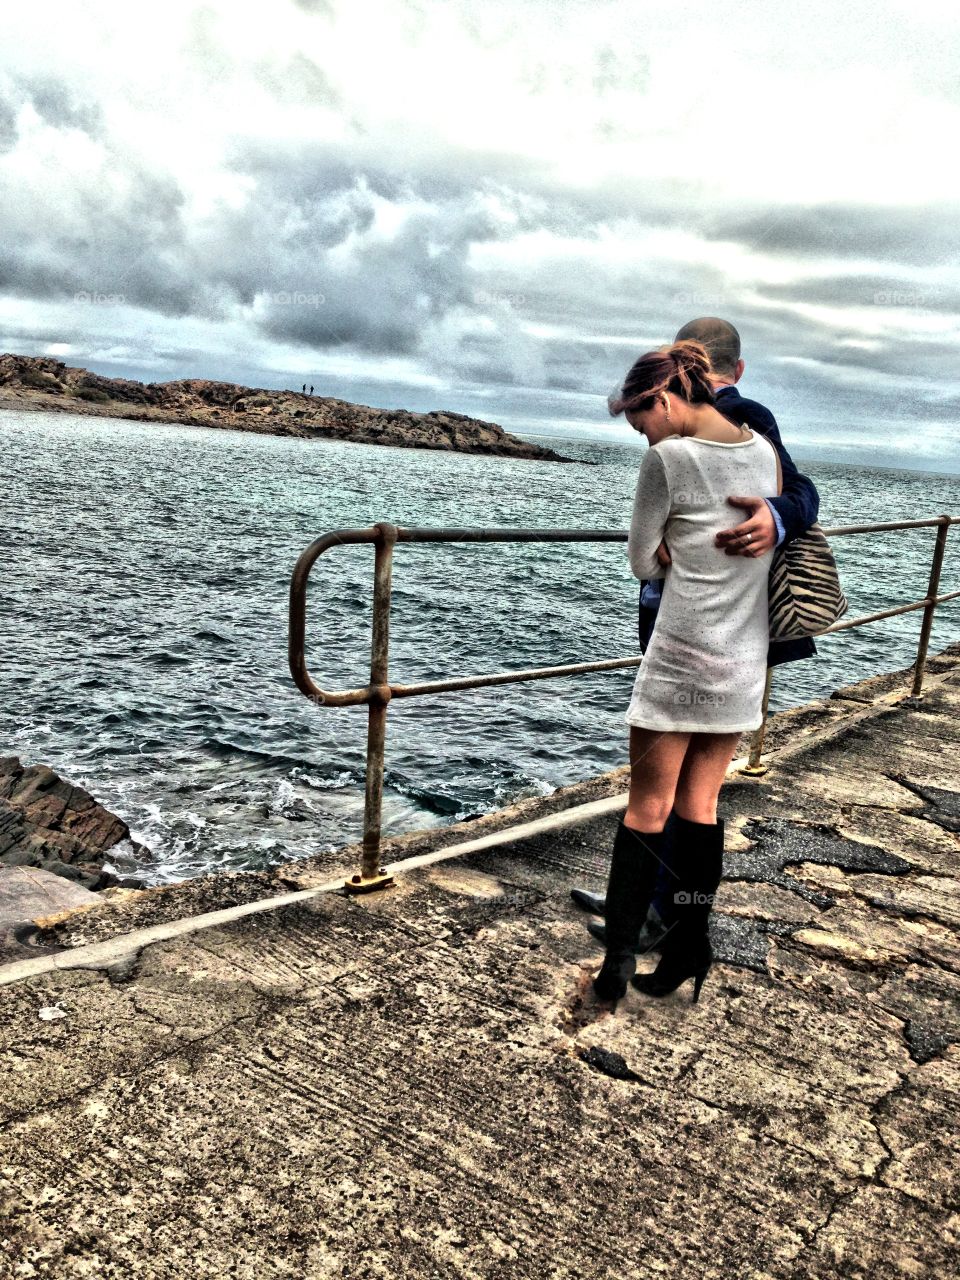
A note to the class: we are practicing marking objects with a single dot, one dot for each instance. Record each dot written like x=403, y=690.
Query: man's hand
x=663, y=555
x=756, y=535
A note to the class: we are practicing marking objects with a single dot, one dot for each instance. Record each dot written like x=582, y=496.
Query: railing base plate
x=361, y=884
x=753, y=770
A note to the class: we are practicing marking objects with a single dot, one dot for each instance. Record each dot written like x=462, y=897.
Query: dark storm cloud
x=310, y=232
x=301, y=173
x=8, y=125
x=814, y=348
x=900, y=349
x=915, y=235
x=377, y=291
x=380, y=297
x=61, y=107
x=56, y=103
x=125, y=241
x=114, y=231
x=391, y=166
x=399, y=167
x=887, y=289
x=129, y=239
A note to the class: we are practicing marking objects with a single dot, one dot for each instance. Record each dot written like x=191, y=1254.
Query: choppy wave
x=147, y=648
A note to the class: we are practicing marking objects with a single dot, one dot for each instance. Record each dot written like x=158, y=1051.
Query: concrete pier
x=418, y=1083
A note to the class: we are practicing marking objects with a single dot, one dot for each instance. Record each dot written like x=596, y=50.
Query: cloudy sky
x=489, y=208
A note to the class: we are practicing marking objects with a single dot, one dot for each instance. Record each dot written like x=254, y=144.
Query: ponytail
x=683, y=369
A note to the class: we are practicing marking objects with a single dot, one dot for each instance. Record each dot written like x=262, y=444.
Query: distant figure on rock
x=311, y=389
x=304, y=388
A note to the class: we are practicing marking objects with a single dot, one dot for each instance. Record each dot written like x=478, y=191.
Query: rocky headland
x=42, y=383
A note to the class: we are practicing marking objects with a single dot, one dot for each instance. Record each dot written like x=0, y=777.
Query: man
x=769, y=522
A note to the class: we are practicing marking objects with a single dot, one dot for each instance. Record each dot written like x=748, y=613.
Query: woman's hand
x=663, y=555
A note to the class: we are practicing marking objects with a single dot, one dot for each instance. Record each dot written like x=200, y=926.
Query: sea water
x=146, y=572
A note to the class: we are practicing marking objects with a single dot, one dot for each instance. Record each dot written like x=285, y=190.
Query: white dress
x=705, y=666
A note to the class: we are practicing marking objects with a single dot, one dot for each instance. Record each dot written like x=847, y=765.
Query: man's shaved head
x=719, y=337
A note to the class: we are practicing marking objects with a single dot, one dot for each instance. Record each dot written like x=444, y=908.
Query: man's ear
x=738, y=371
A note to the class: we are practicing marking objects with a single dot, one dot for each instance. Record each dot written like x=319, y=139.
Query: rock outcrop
x=40, y=382
x=51, y=824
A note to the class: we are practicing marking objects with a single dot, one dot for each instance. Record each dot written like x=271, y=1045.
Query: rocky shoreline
x=48, y=824
x=41, y=383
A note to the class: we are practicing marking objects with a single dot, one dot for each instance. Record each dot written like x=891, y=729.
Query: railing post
x=372, y=875
x=753, y=768
x=933, y=589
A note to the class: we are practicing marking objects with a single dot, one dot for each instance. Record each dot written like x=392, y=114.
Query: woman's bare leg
x=656, y=760
x=702, y=772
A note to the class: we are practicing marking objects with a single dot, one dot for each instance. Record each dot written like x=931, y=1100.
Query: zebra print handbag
x=804, y=587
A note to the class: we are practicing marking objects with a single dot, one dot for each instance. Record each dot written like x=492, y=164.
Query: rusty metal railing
x=380, y=690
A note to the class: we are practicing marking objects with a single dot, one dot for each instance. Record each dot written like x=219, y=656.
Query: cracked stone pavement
x=418, y=1083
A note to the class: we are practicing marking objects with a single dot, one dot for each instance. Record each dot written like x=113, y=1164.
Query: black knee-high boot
x=660, y=913
x=686, y=951
x=634, y=864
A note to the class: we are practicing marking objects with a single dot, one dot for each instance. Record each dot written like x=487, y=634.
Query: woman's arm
x=651, y=510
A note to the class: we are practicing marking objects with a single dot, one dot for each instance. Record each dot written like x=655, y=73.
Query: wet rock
x=28, y=894
x=744, y=942
x=927, y=998
x=610, y=1064
x=925, y=1042
x=49, y=823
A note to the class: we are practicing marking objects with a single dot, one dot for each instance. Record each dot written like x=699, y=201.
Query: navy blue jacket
x=797, y=506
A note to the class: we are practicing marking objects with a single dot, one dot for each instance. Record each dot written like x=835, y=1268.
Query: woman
x=700, y=684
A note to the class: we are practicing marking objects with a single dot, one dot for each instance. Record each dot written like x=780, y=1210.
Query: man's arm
x=799, y=504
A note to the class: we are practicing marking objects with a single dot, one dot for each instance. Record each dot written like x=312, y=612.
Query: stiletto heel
x=674, y=970
x=686, y=952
